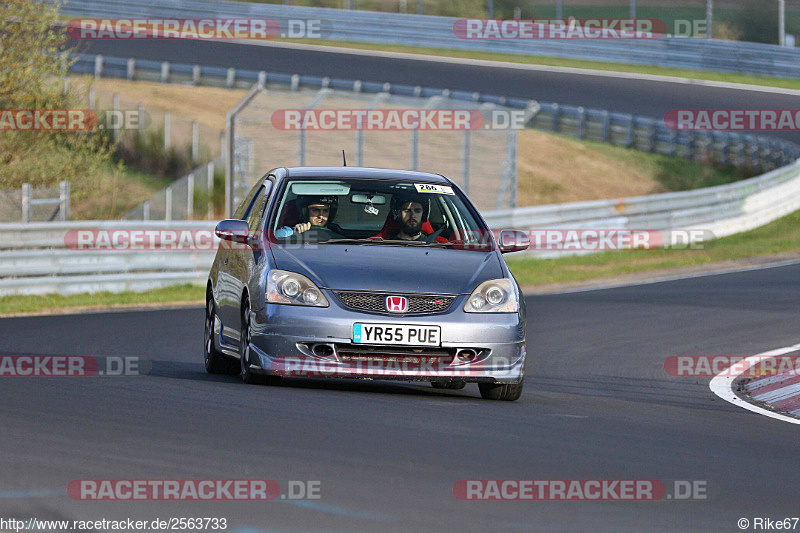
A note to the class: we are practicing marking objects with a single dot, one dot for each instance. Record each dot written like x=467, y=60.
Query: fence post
x=606, y=126
x=415, y=149
x=165, y=72
x=190, y=196
x=210, y=182
x=196, y=75
x=195, y=142
x=581, y=123
x=167, y=130
x=98, y=66
x=141, y=119
x=63, y=198
x=301, y=147
x=26, y=202
x=66, y=84
x=359, y=147
x=230, y=79
x=114, y=128
x=146, y=210
x=92, y=98
x=131, y=68
x=295, y=82
x=168, y=203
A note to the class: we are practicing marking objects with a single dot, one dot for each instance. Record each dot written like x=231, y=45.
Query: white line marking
x=524, y=66
x=722, y=384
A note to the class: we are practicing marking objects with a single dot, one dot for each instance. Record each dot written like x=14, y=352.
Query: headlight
x=293, y=289
x=493, y=296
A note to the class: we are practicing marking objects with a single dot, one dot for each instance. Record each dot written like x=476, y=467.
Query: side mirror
x=233, y=229
x=513, y=241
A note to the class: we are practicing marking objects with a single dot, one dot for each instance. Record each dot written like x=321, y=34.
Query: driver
x=317, y=212
x=411, y=212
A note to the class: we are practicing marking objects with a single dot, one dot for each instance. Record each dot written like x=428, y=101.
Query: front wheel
x=501, y=391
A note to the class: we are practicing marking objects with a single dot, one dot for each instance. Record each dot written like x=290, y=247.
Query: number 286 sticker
x=435, y=189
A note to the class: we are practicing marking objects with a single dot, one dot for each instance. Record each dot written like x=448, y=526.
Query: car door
x=229, y=281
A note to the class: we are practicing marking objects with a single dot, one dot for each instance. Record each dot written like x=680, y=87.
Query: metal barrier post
x=26, y=202
x=63, y=198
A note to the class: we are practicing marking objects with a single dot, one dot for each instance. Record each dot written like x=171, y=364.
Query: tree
x=33, y=65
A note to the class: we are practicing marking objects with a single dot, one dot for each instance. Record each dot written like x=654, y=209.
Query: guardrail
x=401, y=29
x=34, y=258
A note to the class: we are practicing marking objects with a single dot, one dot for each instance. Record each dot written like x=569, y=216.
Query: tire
x=215, y=361
x=451, y=385
x=501, y=391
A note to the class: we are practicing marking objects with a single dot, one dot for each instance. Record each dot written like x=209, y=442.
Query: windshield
x=376, y=212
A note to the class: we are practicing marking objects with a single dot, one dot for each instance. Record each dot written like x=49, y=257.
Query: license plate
x=407, y=335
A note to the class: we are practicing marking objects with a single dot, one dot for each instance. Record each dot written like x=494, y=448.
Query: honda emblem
x=396, y=304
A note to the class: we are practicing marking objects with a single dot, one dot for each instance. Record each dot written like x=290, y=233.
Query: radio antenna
x=344, y=159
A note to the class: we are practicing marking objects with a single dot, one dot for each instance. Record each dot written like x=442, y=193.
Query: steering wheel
x=320, y=234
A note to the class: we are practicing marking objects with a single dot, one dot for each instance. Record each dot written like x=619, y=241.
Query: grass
x=779, y=237
x=52, y=302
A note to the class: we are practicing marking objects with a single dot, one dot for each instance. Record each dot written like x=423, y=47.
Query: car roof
x=364, y=172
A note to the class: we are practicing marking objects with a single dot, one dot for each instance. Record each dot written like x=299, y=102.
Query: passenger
x=411, y=212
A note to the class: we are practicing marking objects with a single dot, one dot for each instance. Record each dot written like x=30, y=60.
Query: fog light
x=311, y=296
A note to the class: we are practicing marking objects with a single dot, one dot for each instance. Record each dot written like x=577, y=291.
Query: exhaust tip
x=466, y=354
x=323, y=350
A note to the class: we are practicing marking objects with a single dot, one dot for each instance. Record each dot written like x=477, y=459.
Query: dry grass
x=554, y=169
x=207, y=105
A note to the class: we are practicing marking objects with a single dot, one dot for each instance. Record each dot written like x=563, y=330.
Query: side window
x=244, y=207
x=257, y=210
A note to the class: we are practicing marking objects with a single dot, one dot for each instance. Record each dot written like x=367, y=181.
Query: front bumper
x=318, y=342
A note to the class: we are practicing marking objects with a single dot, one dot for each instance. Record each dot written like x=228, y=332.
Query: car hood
x=390, y=268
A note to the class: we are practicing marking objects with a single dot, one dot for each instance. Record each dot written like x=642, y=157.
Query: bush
x=758, y=21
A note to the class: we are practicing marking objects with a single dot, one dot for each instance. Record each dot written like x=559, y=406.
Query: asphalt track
x=598, y=405
x=640, y=97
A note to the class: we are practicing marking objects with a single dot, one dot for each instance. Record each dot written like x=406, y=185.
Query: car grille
x=375, y=302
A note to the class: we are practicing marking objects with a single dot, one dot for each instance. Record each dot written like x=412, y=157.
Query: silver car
x=347, y=272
